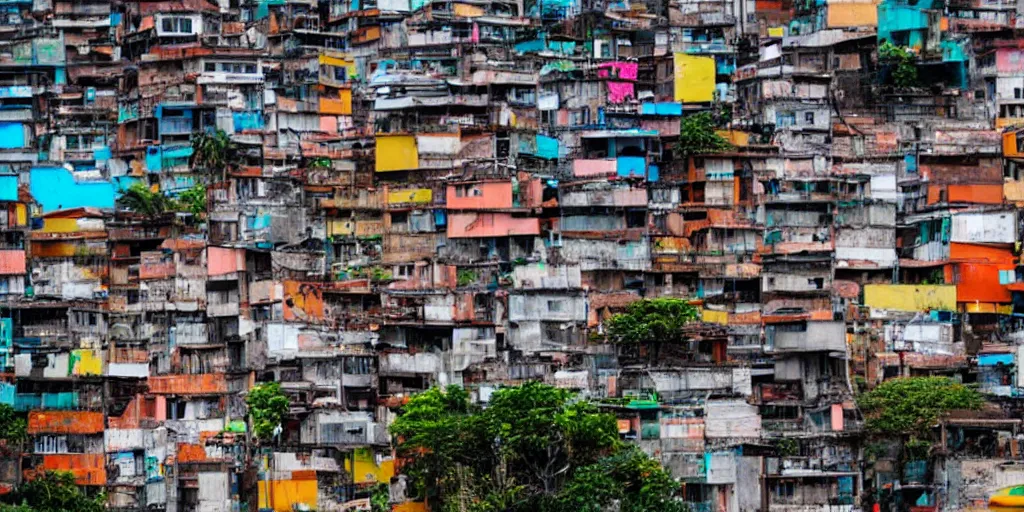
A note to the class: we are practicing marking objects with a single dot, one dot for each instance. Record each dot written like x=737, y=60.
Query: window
x=176, y=25
x=784, y=489
x=784, y=119
x=791, y=327
x=210, y=67
x=809, y=117
x=556, y=306
x=1007, y=276
x=1016, y=93
x=358, y=365
x=636, y=219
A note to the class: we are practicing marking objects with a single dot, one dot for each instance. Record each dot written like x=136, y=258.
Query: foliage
x=380, y=500
x=193, y=200
x=267, y=408
x=466, y=277
x=21, y=507
x=874, y=451
x=936, y=277
x=53, y=491
x=13, y=428
x=534, y=447
x=539, y=427
x=652, y=320
x=140, y=199
x=902, y=64
x=374, y=274
x=912, y=405
x=379, y=274
x=636, y=481
x=917, y=449
x=787, y=447
x=319, y=163
x=860, y=384
x=213, y=152
x=697, y=135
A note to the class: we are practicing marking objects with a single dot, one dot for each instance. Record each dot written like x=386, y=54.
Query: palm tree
x=213, y=152
x=143, y=201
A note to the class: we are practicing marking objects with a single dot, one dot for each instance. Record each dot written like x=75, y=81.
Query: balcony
x=175, y=126
x=342, y=428
x=615, y=196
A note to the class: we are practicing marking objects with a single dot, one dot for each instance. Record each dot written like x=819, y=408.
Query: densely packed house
x=415, y=193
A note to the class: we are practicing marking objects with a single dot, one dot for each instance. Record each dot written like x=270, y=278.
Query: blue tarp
x=7, y=393
x=635, y=166
x=8, y=187
x=57, y=189
x=652, y=173
x=252, y=120
x=995, y=359
x=661, y=109
x=547, y=147
x=12, y=135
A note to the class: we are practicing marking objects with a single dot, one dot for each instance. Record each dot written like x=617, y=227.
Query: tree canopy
x=267, y=407
x=143, y=201
x=652, y=320
x=698, y=135
x=213, y=152
x=13, y=427
x=902, y=64
x=52, y=491
x=193, y=200
x=912, y=405
x=533, y=448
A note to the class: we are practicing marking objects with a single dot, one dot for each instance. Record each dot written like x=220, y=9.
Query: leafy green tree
x=647, y=320
x=193, y=200
x=636, y=481
x=902, y=64
x=52, y=491
x=698, y=135
x=268, y=406
x=13, y=427
x=143, y=201
x=651, y=323
x=319, y=163
x=213, y=153
x=380, y=500
x=543, y=431
x=5, y=507
x=912, y=405
x=533, y=448
x=435, y=432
